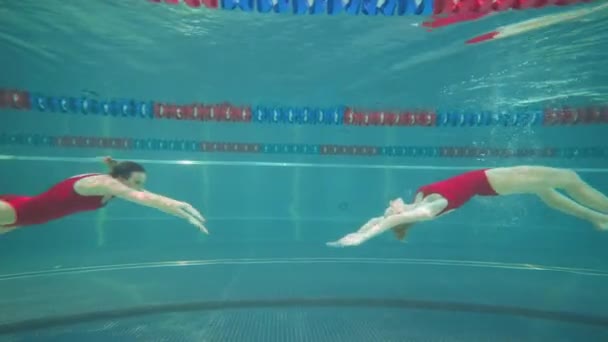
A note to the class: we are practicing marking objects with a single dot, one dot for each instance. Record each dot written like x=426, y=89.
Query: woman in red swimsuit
x=90, y=192
x=440, y=198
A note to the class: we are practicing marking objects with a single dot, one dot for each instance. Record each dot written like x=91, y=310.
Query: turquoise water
x=499, y=268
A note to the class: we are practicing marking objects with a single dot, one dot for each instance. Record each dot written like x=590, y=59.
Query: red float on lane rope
x=14, y=99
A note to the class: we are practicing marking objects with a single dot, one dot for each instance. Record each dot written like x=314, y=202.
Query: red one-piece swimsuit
x=460, y=189
x=58, y=201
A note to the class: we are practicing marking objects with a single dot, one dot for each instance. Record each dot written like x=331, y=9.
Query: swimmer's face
x=136, y=181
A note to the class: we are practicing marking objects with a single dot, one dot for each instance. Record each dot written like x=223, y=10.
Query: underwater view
x=320, y=170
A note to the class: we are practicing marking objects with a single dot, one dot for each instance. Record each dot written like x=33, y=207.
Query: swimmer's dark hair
x=122, y=169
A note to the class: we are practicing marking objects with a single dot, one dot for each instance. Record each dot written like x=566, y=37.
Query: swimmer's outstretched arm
x=188, y=209
x=379, y=225
x=106, y=185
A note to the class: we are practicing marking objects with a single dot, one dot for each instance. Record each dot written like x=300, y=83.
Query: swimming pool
x=318, y=121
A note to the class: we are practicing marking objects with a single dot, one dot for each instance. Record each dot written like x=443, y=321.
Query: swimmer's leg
x=535, y=179
x=582, y=192
x=7, y=213
x=562, y=203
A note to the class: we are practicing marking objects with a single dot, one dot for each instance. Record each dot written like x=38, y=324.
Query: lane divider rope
x=175, y=145
x=11, y=99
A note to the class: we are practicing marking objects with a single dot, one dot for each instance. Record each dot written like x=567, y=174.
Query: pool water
x=508, y=269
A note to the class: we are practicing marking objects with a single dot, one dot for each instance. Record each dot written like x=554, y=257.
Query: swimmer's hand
x=395, y=207
x=373, y=228
x=193, y=216
x=4, y=230
x=366, y=232
x=400, y=222
x=352, y=239
x=198, y=225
